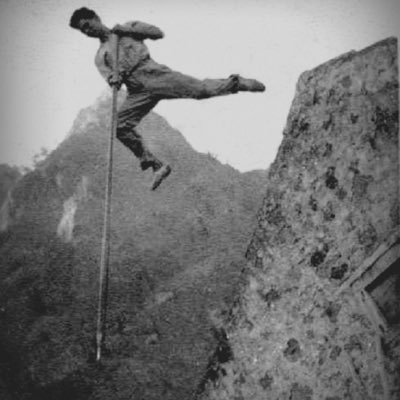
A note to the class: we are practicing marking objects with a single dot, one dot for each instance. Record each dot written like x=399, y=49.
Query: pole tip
x=98, y=355
x=99, y=340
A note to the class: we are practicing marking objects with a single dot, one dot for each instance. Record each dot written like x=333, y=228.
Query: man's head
x=88, y=22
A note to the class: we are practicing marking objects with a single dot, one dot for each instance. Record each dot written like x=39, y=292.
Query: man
x=147, y=82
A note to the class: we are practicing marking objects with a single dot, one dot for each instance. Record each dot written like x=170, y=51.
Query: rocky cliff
x=299, y=330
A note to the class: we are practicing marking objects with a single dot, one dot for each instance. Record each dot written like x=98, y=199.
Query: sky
x=48, y=72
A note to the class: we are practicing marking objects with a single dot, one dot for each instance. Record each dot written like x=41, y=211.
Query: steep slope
x=298, y=331
x=175, y=264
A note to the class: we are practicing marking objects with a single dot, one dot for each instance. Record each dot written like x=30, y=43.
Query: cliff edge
x=318, y=316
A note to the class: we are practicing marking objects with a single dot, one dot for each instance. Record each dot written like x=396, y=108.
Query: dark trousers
x=146, y=87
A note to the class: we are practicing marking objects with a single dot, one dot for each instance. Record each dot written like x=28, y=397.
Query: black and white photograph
x=199, y=200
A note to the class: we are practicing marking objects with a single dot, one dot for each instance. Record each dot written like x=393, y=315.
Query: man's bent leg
x=135, y=107
x=134, y=142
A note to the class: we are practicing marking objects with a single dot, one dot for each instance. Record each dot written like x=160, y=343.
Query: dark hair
x=81, y=13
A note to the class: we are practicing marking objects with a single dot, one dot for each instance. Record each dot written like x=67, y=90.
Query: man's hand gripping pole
x=105, y=245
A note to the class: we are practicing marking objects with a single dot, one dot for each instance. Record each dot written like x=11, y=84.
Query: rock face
x=299, y=329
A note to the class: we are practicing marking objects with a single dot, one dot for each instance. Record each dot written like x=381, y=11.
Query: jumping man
x=147, y=82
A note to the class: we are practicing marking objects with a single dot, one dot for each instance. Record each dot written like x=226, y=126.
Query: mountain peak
x=176, y=257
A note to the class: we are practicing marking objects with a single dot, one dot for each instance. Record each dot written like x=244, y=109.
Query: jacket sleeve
x=141, y=30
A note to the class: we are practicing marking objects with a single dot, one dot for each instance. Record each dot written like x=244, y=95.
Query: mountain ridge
x=175, y=263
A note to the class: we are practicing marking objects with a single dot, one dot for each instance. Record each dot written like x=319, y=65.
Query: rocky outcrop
x=297, y=331
x=66, y=225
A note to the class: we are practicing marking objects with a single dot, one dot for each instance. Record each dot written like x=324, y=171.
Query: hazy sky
x=48, y=73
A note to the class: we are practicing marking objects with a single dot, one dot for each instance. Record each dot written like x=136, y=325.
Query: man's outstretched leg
x=169, y=84
x=135, y=107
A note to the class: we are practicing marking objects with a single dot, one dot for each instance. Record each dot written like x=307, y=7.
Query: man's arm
x=105, y=69
x=138, y=30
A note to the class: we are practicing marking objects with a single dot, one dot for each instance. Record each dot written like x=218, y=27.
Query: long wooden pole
x=105, y=244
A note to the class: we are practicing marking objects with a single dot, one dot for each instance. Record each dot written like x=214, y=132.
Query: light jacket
x=132, y=51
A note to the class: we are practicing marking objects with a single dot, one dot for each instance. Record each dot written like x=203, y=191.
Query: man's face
x=91, y=27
